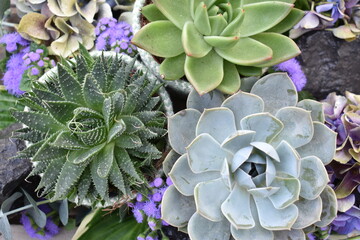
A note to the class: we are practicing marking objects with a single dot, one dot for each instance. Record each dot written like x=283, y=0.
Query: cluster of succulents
x=94, y=128
x=212, y=41
x=258, y=156
x=61, y=23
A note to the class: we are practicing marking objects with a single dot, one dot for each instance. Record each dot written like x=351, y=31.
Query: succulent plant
x=212, y=41
x=250, y=166
x=93, y=129
x=25, y=6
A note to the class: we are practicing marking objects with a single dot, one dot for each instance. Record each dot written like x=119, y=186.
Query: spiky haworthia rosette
x=212, y=41
x=93, y=129
x=250, y=166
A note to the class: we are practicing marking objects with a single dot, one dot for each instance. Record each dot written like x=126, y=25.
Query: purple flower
x=14, y=73
x=50, y=229
x=347, y=222
x=138, y=215
x=168, y=181
x=35, y=71
x=152, y=225
x=156, y=197
x=293, y=68
x=150, y=209
x=113, y=35
x=12, y=40
x=158, y=182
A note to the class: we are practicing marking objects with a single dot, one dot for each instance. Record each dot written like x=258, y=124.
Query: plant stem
x=7, y=24
x=25, y=207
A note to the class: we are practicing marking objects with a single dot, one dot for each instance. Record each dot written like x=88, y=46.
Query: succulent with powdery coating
x=212, y=41
x=250, y=166
x=93, y=129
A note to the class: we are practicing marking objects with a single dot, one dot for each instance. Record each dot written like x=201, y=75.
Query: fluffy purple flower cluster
x=13, y=42
x=17, y=47
x=34, y=231
x=148, y=208
x=37, y=62
x=293, y=68
x=115, y=36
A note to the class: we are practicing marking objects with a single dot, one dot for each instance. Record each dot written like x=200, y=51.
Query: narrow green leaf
x=69, y=175
x=206, y=73
x=84, y=185
x=68, y=141
x=117, y=179
x=283, y=48
x=173, y=68
x=160, y=38
x=101, y=184
x=108, y=110
x=152, y=13
x=87, y=57
x=38, y=215
x=61, y=110
x=133, y=124
x=106, y=157
x=80, y=156
x=70, y=87
x=81, y=69
x=124, y=161
x=193, y=41
x=6, y=205
x=118, y=100
x=94, y=97
x=47, y=95
x=48, y=180
x=128, y=141
x=99, y=74
x=64, y=212
x=39, y=121
x=116, y=130
x=201, y=19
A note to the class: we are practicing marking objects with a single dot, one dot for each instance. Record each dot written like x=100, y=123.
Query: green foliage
x=5, y=5
x=100, y=225
x=7, y=101
x=207, y=40
x=94, y=127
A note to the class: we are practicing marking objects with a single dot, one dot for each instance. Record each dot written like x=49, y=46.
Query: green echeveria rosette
x=212, y=41
x=95, y=127
x=250, y=166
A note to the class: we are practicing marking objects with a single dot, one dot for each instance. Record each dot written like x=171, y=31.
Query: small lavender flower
x=13, y=41
x=50, y=229
x=114, y=36
x=293, y=68
x=149, y=208
x=15, y=69
x=38, y=63
x=347, y=222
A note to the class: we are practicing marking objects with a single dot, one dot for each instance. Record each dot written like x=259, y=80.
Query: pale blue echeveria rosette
x=250, y=166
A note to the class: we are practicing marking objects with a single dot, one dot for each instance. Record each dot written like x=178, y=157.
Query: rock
x=12, y=171
x=173, y=234
x=330, y=64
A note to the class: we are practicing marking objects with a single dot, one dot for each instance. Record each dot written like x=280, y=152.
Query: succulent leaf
x=83, y=121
